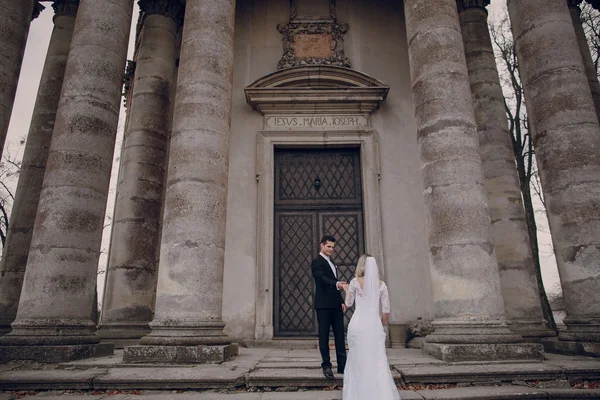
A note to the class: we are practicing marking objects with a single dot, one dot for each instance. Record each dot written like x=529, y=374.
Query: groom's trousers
x=333, y=318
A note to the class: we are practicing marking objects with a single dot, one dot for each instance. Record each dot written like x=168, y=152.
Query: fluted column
x=129, y=294
x=22, y=218
x=57, y=301
x=189, y=296
x=15, y=16
x=567, y=143
x=588, y=63
x=469, y=311
x=509, y=227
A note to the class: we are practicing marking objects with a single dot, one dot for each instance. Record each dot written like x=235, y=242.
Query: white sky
x=35, y=52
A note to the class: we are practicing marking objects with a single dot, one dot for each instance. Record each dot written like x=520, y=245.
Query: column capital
x=37, y=9
x=574, y=3
x=465, y=4
x=595, y=4
x=65, y=7
x=170, y=8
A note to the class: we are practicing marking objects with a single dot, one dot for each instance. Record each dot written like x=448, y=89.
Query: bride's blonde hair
x=360, y=266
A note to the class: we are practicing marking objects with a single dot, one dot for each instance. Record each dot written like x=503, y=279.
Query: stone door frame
x=367, y=140
x=316, y=106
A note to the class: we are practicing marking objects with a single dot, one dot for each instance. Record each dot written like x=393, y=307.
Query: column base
x=201, y=354
x=55, y=354
x=464, y=340
x=581, y=330
x=123, y=335
x=471, y=332
x=121, y=331
x=186, y=333
x=571, y=348
x=484, y=352
x=530, y=330
x=50, y=332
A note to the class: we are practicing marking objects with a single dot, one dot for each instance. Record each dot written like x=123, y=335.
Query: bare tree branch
x=4, y=229
x=590, y=20
x=10, y=167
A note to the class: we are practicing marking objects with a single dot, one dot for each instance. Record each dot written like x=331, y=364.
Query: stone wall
x=376, y=45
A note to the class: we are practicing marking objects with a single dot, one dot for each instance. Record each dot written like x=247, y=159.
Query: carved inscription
x=316, y=45
x=316, y=122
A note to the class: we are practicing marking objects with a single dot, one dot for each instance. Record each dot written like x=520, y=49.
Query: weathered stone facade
x=215, y=91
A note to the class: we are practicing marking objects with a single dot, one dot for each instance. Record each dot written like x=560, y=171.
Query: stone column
x=518, y=278
x=188, y=312
x=22, y=218
x=567, y=143
x=15, y=16
x=588, y=63
x=469, y=312
x=129, y=294
x=56, y=308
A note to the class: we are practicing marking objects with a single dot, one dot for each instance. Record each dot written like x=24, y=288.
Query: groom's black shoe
x=340, y=370
x=328, y=373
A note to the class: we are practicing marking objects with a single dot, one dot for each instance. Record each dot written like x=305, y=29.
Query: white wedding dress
x=367, y=374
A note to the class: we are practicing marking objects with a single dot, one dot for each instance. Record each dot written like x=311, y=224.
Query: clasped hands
x=343, y=285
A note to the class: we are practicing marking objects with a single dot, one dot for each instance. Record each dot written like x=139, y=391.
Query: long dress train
x=367, y=374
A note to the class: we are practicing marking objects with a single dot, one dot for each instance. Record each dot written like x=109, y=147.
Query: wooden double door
x=317, y=192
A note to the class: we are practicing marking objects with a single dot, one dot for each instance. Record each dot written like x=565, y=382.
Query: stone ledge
x=49, y=379
x=297, y=377
x=291, y=344
x=571, y=348
x=484, y=352
x=55, y=354
x=426, y=374
x=172, y=378
x=300, y=377
x=507, y=393
x=179, y=354
x=481, y=393
x=121, y=343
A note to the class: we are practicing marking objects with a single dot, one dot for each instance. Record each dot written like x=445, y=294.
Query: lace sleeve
x=351, y=293
x=384, y=299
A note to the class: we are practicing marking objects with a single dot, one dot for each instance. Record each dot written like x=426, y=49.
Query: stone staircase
x=261, y=373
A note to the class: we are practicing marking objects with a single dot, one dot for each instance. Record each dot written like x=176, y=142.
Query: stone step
x=297, y=377
x=282, y=375
x=241, y=377
x=476, y=393
x=287, y=344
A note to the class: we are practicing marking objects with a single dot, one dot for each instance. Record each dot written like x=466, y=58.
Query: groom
x=329, y=305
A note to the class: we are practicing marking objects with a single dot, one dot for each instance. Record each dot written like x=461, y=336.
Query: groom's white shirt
x=333, y=269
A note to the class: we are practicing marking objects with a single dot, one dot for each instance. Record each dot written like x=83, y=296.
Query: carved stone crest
x=313, y=42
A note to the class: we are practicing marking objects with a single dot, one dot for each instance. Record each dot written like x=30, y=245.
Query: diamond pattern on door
x=336, y=175
x=345, y=227
x=303, y=214
x=295, y=283
x=323, y=177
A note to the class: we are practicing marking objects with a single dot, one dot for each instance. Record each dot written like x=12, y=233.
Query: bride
x=367, y=374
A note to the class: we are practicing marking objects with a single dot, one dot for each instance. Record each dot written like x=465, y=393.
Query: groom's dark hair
x=327, y=238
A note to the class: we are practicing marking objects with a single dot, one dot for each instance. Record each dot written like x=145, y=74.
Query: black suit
x=328, y=304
